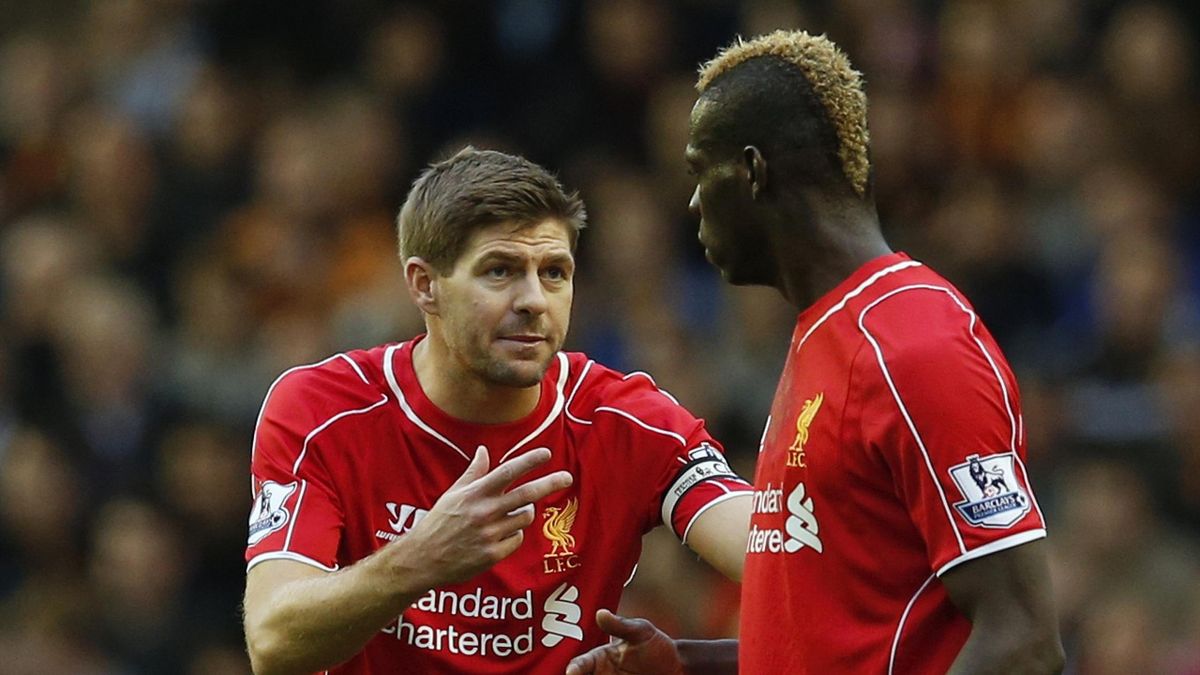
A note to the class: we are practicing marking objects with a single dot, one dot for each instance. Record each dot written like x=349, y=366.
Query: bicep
x=719, y=534
x=1007, y=592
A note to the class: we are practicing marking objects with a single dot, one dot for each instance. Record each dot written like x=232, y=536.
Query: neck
x=462, y=394
x=840, y=240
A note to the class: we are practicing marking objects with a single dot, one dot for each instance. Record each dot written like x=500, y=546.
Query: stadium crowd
x=196, y=195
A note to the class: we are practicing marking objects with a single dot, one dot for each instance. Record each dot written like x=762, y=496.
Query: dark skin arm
x=1007, y=597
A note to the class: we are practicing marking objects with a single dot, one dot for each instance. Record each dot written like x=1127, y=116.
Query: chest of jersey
x=536, y=605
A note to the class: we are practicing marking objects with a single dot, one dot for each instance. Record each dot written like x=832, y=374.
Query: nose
x=531, y=297
x=694, y=204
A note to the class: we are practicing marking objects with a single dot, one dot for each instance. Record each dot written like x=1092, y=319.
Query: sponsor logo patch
x=561, y=619
x=268, y=513
x=993, y=496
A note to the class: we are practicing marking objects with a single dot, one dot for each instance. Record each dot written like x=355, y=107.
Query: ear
x=421, y=279
x=756, y=167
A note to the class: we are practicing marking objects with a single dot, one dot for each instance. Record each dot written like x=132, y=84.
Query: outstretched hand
x=639, y=649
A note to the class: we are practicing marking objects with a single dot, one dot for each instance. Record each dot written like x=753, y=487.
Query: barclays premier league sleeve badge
x=268, y=514
x=993, y=496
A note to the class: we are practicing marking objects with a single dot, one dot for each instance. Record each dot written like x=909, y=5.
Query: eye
x=555, y=273
x=497, y=272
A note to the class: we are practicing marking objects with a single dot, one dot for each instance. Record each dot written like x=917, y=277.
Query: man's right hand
x=640, y=649
x=478, y=521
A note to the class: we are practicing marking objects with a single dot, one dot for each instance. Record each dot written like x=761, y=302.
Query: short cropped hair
x=829, y=87
x=474, y=189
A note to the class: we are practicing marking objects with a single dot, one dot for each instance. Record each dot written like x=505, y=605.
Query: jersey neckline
x=402, y=378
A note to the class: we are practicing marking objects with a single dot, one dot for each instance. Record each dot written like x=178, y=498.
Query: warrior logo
x=993, y=497
x=268, y=514
x=795, y=455
x=557, y=530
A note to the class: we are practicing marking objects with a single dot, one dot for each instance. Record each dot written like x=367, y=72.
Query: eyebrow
x=511, y=258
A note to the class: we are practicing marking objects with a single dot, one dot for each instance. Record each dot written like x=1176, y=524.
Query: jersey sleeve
x=943, y=411
x=295, y=514
x=678, y=464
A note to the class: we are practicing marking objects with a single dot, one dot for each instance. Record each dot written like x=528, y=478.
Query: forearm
x=987, y=652
x=311, y=624
x=708, y=657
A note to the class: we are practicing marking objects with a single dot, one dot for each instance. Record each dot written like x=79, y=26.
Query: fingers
x=514, y=521
x=507, y=472
x=534, y=490
x=475, y=470
x=584, y=663
x=630, y=630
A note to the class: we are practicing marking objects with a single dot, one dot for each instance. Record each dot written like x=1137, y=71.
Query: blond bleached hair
x=836, y=84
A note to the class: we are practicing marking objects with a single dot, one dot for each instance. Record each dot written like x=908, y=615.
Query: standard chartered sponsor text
x=476, y=605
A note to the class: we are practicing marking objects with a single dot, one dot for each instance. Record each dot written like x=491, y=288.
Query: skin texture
x=757, y=228
x=495, y=321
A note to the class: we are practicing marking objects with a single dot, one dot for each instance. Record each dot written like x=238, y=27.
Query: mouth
x=524, y=339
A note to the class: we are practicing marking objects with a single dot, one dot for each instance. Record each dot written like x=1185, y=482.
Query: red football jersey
x=349, y=454
x=894, y=452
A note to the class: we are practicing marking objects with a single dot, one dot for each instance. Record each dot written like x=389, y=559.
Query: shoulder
x=924, y=316
x=597, y=393
x=927, y=333
x=310, y=393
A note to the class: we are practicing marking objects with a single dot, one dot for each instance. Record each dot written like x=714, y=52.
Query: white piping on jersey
x=287, y=541
x=635, y=420
x=1012, y=419
x=632, y=573
x=358, y=411
x=289, y=371
x=288, y=555
x=903, y=618
x=729, y=494
x=854, y=293
x=646, y=375
x=887, y=376
x=1029, y=488
x=571, y=398
x=994, y=547
x=390, y=374
x=559, y=404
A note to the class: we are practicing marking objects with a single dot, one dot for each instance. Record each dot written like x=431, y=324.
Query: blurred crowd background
x=198, y=194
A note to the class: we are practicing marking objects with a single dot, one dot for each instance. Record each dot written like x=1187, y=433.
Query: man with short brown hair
x=380, y=541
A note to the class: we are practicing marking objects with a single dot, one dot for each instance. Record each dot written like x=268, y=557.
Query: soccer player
x=874, y=546
x=467, y=500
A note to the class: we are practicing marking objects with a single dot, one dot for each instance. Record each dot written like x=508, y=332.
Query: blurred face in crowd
x=732, y=237
x=504, y=309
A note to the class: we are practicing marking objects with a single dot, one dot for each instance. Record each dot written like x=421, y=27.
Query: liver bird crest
x=557, y=527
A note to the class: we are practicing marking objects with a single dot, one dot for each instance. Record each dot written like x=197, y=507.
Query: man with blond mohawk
x=873, y=547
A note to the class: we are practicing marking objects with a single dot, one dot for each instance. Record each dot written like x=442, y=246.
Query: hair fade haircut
x=836, y=85
x=474, y=189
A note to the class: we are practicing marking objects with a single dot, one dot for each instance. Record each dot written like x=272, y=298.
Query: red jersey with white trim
x=349, y=454
x=894, y=452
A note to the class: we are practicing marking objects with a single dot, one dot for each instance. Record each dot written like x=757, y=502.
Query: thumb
x=629, y=630
x=477, y=469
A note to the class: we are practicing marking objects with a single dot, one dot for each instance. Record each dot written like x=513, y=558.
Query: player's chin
x=518, y=373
